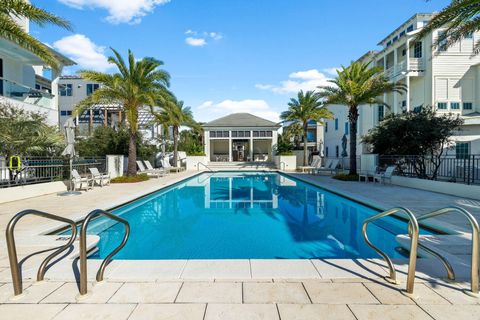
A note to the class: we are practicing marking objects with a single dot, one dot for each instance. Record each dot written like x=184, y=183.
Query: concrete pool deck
x=234, y=289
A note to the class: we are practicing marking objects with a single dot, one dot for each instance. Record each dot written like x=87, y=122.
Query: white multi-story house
x=26, y=82
x=447, y=79
x=73, y=89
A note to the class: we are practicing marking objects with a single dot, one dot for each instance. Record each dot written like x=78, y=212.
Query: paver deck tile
x=210, y=292
x=283, y=269
x=216, y=269
x=425, y=295
x=68, y=293
x=314, y=312
x=168, y=312
x=30, y=312
x=339, y=293
x=388, y=293
x=274, y=293
x=391, y=312
x=31, y=293
x=453, y=293
x=146, y=293
x=467, y=312
x=96, y=312
x=241, y=312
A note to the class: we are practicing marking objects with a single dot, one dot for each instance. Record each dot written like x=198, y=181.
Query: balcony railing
x=25, y=94
x=415, y=65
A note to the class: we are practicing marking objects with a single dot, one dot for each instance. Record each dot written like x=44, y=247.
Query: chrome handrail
x=83, y=247
x=413, y=232
x=475, y=243
x=284, y=166
x=198, y=166
x=12, y=249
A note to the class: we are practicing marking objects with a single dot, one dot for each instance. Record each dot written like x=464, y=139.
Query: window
x=455, y=105
x=442, y=41
x=417, y=50
x=336, y=124
x=462, y=150
x=402, y=33
x=469, y=35
x=311, y=136
x=404, y=52
x=66, y=90
x=467, y=106
x=389, y=43
x=65, y=113
x=418, y=109
x=404, y=103
x=442, y=106
x=337, y=151
x=410, y=28
x=213, y=134
x=326, y=152
x=326, y=126
x=347, y=127
x=381, y=113
x=92, y=87
x=395, y=39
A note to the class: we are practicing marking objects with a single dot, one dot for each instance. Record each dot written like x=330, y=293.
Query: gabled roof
x=241, y=120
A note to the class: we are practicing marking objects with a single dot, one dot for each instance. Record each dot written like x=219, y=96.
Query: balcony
x=416, y=67
x=25, y=94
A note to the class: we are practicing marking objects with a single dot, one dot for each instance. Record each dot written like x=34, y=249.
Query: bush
x=131, y=179
x=286, y=153
x=346, y=177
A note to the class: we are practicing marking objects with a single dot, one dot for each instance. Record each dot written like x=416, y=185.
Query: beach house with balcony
x=447, y=79
x=26, y=82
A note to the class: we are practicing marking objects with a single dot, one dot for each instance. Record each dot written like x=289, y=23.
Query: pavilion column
x=251, y=146
x=230, y=159
x=119, y=118
x=105, y=120
x=90, y=121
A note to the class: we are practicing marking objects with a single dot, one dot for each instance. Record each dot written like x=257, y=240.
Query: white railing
x=415, y=65
x=23, y=93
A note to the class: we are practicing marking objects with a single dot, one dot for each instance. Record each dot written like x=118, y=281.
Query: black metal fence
x=32, y=170
x=465, y=169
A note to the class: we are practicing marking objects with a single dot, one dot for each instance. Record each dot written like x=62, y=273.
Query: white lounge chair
x=331, y=169
x=315, y=163
x=143, y=170
x=100, y=178
x=327, y=165
x=383, y=176
x=166, y=164
x=80, y=183
x=151, y=168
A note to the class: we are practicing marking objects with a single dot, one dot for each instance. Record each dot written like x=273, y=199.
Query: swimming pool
x=245, y=215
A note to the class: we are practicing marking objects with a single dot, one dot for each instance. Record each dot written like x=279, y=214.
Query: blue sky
x=230, y=55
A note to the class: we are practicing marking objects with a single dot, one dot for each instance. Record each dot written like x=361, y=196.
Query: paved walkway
x=234, y=289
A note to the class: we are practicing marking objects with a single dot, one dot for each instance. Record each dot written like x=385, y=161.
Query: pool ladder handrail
x=413, y=231
x=83, y=247
x=208, y=168
x=12, y=249
x=475, y=244
x=284, y=166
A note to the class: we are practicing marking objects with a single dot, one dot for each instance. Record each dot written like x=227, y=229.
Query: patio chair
x=80, y=183
x=143, y=170
x=166, y=164
x=101, y=179
x=316, y=162
x=383, y=176
x=319, y=167
x=151, y=168
x=331, y=169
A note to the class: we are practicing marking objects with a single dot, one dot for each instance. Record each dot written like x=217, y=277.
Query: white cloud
x=331, y=71
x=82, y=50
x=209, y=110
x=120, y=11
x=195, y=42
x=301, y=80
x=200, y=39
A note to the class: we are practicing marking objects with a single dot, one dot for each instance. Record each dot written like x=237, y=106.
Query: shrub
x=131, y=179
x=346, y=177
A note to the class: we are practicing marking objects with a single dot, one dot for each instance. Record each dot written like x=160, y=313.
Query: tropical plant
x=460, y=18
x=10, y=10
x=293, y=132
x=139, y=84
x=306, y=107
x=418, y=138
x=190, y=141
x=356, y=85
x=27, y=133
x=174, y=114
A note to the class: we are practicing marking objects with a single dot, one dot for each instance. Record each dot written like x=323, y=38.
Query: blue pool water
x=245, y=215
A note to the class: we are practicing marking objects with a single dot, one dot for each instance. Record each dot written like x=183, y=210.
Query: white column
x=230, y=159
x=407, y=75
x=395, y=70
x=251, y=145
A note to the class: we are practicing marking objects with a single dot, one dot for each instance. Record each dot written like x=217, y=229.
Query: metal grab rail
x=475, y=239
x=198, y=167
x=83, y=247
x=284, y=166
x=12, y=249
x=413, y=232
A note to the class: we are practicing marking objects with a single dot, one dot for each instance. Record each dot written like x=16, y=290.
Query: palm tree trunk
x=175, y=145
x=305, y=149
x=353, y=118
x=132, y=155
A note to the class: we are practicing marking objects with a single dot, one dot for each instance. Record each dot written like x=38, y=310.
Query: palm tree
x=133, y=87
x=10, y=30
x=308, y=106
x=461, y=18
x=356, y=85
x=174, y=114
